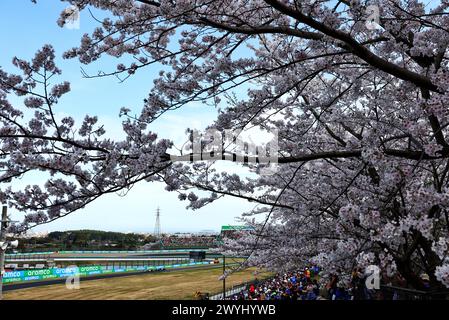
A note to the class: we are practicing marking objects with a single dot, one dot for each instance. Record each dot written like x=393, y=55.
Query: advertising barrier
x=53, y=273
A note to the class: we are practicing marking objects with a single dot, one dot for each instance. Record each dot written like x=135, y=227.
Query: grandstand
x=176, y=242
x=229, y=231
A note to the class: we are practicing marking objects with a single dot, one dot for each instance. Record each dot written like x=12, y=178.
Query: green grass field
x=150, y=286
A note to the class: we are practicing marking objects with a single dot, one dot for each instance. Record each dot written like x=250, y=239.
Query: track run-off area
x=174, y=284
x=155, y=274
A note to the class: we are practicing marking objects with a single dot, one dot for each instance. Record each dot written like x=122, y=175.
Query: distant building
x=183, y=234
x=208, y=233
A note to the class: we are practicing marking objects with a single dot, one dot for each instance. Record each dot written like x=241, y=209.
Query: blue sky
x=24, y=28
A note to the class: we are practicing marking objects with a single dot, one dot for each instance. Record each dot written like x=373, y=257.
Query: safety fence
x=54, y=273
x=236, y=289
x=398, y=293
x=102, y=252
x=230, y=292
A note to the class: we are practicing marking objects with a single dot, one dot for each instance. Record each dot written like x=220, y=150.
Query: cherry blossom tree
x=359, y=103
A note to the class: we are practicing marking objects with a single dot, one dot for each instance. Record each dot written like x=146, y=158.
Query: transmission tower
x=157, y=226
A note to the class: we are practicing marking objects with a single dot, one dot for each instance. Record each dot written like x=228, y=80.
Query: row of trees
x=85, y=240
x=361, y=114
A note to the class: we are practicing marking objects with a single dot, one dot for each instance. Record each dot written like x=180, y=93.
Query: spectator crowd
x=309, y=284
x=300, y=285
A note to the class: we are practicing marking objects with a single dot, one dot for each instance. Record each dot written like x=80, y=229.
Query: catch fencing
x=236, y=289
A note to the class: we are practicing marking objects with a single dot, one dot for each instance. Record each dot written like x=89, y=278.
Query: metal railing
x=25, y=257
x=385, y=293
x=399, y=293
x=236, y=289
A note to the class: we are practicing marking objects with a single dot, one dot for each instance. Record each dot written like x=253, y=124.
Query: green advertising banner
x=53, y=273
